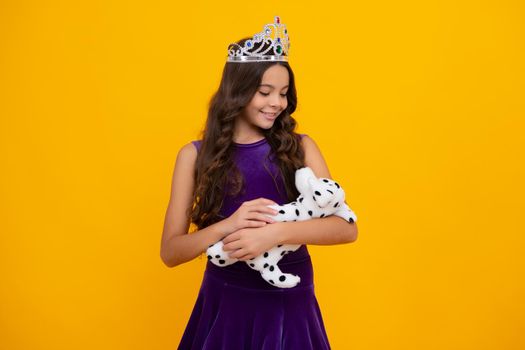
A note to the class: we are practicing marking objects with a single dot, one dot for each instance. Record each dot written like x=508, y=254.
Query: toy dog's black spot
x=265, y=265
x=282, y=278
x=282, y=253
x=317, y=193
x=314, y=198
x=218, y=256
x=252, y=265
x=301, y=199
x=272, y=268
x=211, y=245
x=330, y=191
x=350, y=220
x=265, y=254
x=297, y=212
x=209, y=257
x=322, y=215
x=336, y=184
x=280, y=245
x=281, y=211
x=336, y=204
x=271, y=281
x=325, y=180
x=221, y=262
x=310, y=212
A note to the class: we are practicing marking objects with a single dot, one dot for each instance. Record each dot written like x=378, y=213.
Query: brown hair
x=214, y=164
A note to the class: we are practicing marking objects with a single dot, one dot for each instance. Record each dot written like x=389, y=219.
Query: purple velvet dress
x=235, y=308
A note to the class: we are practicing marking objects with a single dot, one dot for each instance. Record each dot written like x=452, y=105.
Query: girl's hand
x=248, y=243
x=250, y=214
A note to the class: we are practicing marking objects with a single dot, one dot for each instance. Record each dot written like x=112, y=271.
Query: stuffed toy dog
x=318, y=198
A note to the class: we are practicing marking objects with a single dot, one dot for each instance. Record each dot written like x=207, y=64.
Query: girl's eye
x=266, y=94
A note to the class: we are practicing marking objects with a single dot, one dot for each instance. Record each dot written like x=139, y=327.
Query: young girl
x=247, y=160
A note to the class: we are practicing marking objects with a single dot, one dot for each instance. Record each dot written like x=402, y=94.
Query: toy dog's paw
x=218, y=256
x=281, y=280
x=347, y=214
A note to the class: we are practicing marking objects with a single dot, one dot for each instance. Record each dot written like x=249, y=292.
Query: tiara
x=274, y=34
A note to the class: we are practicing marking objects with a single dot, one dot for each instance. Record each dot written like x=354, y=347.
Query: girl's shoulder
x=197, y=144
x=301, y=137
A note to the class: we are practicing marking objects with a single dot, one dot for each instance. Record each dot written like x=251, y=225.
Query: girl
x=224, y=183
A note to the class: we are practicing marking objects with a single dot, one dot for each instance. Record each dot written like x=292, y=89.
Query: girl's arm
x=322, y=231
x=251, y=242
x=177, y=246
x=248, y=243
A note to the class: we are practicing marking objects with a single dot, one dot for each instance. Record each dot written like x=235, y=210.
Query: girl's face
x=269, y=99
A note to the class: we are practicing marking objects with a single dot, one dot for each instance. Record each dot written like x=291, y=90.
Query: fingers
x=257, y=223
x=266, y=218
x=230, y=238
x=252, y=213
x=261, y=205
x=241, y=254
x=263, y=209
x=257, y=213
x=258, y=220
x=246, y=257
x=266, y=209
x=232, y=246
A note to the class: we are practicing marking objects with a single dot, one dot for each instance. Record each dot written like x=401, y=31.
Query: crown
x=274, y=34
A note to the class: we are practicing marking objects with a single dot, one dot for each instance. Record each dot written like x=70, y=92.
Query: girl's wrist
x=279, y=233
x=224, y=227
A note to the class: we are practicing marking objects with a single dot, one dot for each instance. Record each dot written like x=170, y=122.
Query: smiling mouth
x=269, y=115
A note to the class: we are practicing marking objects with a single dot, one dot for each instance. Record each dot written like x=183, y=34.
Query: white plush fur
x=318, y=198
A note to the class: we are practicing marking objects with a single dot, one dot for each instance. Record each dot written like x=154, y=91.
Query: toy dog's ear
x=322, y=198
x=301, y=179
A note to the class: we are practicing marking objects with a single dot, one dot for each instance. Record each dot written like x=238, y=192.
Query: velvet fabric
x=235, y=308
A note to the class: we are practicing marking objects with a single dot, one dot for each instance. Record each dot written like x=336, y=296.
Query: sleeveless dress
x=235, y=308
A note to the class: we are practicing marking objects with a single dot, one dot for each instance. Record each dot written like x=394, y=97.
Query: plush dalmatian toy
x=318, y=198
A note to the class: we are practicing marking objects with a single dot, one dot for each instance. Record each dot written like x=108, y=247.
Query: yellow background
x=417, y=107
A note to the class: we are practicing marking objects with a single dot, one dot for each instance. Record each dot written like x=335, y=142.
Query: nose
x=276, y=101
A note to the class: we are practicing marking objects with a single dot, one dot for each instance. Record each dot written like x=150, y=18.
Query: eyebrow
x=270, y=85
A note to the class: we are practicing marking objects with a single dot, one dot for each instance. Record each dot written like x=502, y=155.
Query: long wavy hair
x=214, y=166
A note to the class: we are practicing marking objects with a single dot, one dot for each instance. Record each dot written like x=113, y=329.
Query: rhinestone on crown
x=274, y=34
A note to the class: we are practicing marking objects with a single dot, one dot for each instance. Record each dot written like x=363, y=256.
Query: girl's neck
x=248, y=137
x=244, y=132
